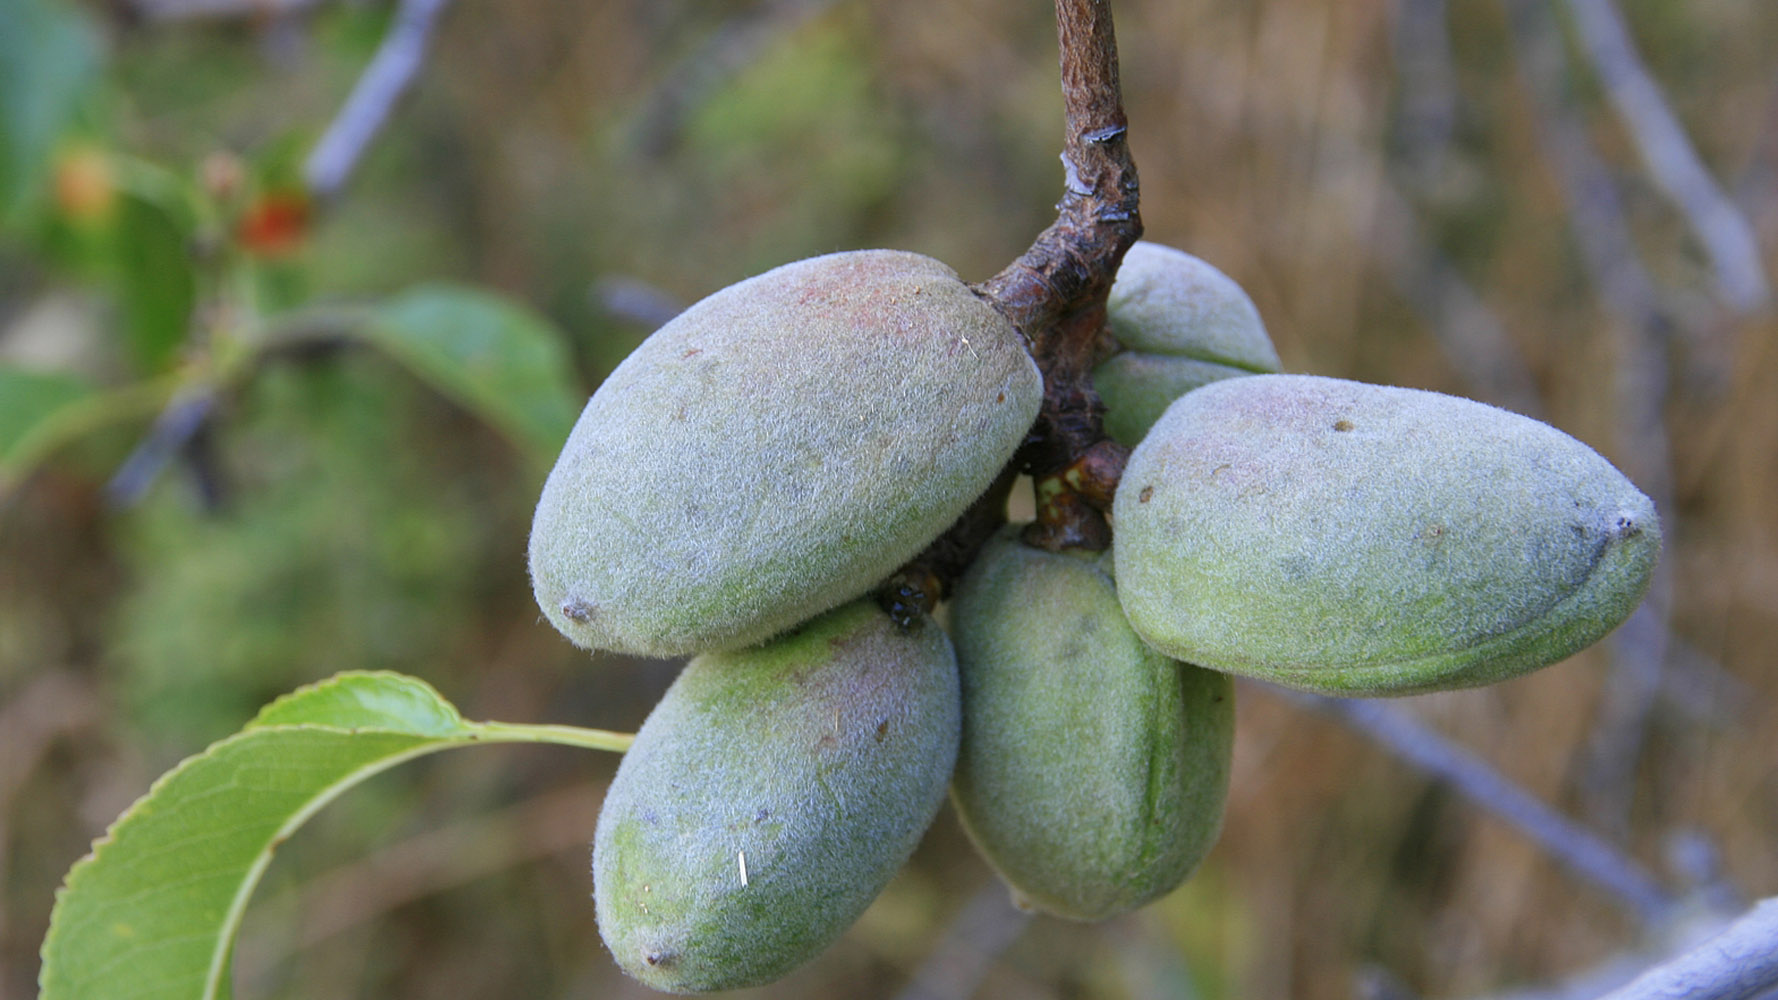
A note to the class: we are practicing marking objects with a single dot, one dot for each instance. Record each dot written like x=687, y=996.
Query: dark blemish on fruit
x=687, y=354
x=1628, y=528
x=1147, y=492
x=576, y=610
x=657, y=957
x=1342, y=425
x=1000, y=398
x=882, y=730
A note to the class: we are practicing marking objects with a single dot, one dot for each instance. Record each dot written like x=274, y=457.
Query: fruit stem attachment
x=1055, y=292
x=1055, y=295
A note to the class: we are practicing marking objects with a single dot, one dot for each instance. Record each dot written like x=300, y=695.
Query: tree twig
x=1055, y=295
x=1739, y=963
x=1582, y=851
x=177, y=426
x=391, y=71
x=1670, y=157
x=1055, y=292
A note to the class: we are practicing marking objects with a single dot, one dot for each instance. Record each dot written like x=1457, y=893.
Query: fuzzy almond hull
x=776, y=450
x=1357, y=539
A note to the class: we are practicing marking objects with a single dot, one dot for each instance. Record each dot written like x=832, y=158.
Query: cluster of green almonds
x=744, y=481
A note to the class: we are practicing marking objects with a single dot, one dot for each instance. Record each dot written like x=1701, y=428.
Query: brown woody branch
x=1055, y=295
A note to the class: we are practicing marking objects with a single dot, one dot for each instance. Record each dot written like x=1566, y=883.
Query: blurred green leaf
x=29, y=401
x=152, y=912
x=156, y=282
x=49, y=56
x=503, y=362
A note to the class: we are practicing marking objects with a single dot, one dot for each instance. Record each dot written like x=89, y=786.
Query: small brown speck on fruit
x=1342, y=425
x=576, y=610
x=1146, y=494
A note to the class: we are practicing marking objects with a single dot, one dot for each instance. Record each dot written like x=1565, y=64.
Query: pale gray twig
x=986, y=926
x=1582, y=851
x=391, y=71
x=177, y=426
x=635, y=300
x=1739, y=963
x=1670, y=157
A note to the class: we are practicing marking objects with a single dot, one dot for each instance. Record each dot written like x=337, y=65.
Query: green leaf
x=49, y=57
x=504, y=362
x=40, y=412
x=152, y=912
x=30, y=401
x=156, y=279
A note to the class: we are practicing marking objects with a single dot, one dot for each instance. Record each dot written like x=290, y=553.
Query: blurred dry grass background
x=1386, y=203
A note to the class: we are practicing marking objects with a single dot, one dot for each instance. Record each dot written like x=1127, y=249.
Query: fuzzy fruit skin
x=1355, y=539
x=817, y=761
x=776, y=450
x=1093, y=770
x=1182, y=324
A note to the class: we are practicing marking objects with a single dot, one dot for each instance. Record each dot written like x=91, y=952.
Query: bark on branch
x=1055, y=294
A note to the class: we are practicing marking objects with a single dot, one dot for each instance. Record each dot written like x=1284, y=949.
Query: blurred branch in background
x=1582, y=851
x=986, y=926
x=635, y=301
x=1736, y=959
x=391, y=71
x=173, y=433
x=1711, y=957
x=1668, y=154
x=1739, y=963
x=701, y=73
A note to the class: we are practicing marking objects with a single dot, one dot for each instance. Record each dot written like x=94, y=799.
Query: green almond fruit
x=1182, y=324
x=770, y=796
x=1093, y=770
x=1357, y=539
x=776, y=450
x=1137, y=388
